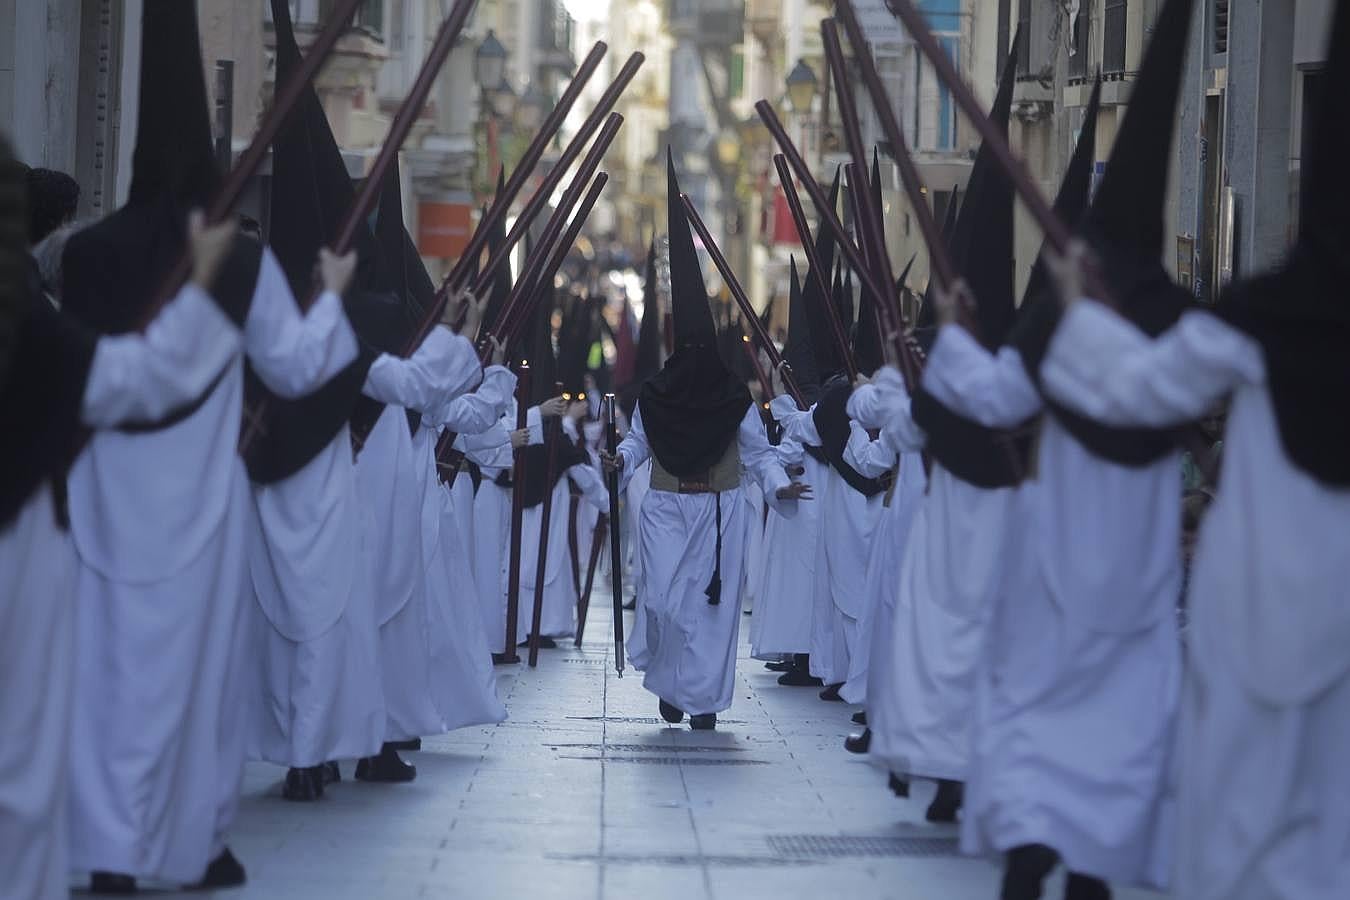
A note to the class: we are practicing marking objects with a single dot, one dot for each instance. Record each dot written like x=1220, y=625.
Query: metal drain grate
x=678, y=859
x=825, y=846
x=672, y=760
x=585, y=661
x=647, y=748
x=644, y=720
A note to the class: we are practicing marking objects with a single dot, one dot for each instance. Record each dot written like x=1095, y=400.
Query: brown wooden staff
x=517, y=515
x=764, y=384
x=287, y=95
x=738, y=293
x=615, y=548
x=794, y=203
x=542, y=275
x=552, y=434
x=1055, y=230
x=403, y=122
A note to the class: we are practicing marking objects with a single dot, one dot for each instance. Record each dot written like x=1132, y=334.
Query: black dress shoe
x=831, y=693
x=1085, y=887
x=501, y=659
x=409, y=746
x=111, y=883
x=331, y=773
x=799, y=678
x=631, y=605
x=224, y=872
x=899, y=786
x=781, y=666
x=704, y=722
x=545, y=643
x=947, y=802
x=858, y=743
x=1025, y=871
x=860, y=718
x=386, y=768
x=671, y=713
x=301, y=786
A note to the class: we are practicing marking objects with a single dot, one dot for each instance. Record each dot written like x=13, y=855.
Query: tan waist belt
x=724, y=476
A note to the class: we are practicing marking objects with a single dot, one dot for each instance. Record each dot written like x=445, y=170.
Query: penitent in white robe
x=132, y=377
x=1265, y=713
x=317, y=695
x=160, y=523
x=841, y=552
x=403, y=523
x=490, y=450
x=781, y=624
x=690, y=644
x=872, y=459
x=951, y=569
x=1076, y=698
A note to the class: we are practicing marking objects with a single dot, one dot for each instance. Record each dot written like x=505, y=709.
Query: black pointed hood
x=800, y=352
x=647, y=356
x=402, y=264
x=1125, y=221
x=1298, y=311
x=501, y=285
x=689, y=295
x=925, y=327
x=115, y=269
x=982, y=244
x=537, y=348
x=814, y=300
x=173, y=152
x=693, y=407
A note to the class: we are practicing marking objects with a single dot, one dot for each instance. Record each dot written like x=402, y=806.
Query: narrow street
x=585, y=793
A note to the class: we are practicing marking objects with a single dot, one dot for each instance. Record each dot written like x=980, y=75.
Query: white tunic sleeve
x=442, y=368
x=591, y=484
x=477, y=410
x=292, y=353
x=798, y=424
x=871, y=404
x=634, y=449
x=491, y=448
x=760, y=461
x=871, y=459
x=143, y=377
x=992, y=389
x=1102, y=366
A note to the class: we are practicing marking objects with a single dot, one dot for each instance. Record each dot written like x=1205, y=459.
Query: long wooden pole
x=520, y=174
x=369, y=193
x=615, y=548
x=287, y=95
x=1055, y=230
x=584, y=597
x=738, y=294
x=794, y=203
x=517, y=516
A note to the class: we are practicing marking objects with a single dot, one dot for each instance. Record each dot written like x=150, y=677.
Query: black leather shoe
x=783, y=666
x=899, y=786
x=860, y=718
x=545, y=643
x=386, y=768
x=858, y=743
x=631, y=605
x=799, y=678
x=331, y=773
x=671, y=713
x=111, y=883
x=300, y=786
x=224, y=872
x=831, y=693
x=501, y=659
x=1025, y=871
x=704, y=722
x=947, y=802
x=1085, y=887
x=409, y=746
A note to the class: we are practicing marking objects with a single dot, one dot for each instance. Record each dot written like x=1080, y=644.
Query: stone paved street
x=584, y=793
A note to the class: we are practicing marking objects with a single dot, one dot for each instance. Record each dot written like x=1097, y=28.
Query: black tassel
x=714, y=589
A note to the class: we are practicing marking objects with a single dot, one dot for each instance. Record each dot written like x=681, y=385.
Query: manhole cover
x=825, y=846
x=673, y=760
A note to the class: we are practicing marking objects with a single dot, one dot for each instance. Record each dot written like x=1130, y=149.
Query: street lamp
x=801, y=87
x=489, y=62
x=504, y=100
x=532, y=105
x=728, y=150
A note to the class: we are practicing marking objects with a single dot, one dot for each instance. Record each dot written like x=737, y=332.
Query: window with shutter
x=1113, y=36
x=1220, y=26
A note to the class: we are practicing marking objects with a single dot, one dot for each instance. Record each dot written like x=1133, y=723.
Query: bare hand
x=210, y=244
x=796, y=491
x=498, y=350
x=861, y=380
x=577, y=410
x=471, y=307
x=335, y=272
x=954, y=304
x=520, y=438
x=553, y=407
x=1068, y=271
x=611, y=463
